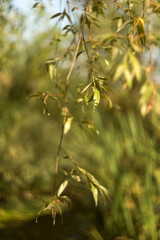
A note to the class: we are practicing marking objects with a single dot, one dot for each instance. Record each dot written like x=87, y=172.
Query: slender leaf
x=94, y=191
x=56, y=15
x=85, y=89
x=124, y=25
x=51, y=69
x=67, y=125
x=96, y=97
x=62, y=187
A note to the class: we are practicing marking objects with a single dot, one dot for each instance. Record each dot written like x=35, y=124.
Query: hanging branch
x=66, y=91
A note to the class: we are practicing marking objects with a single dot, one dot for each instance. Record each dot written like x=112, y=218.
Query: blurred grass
x=124, y=158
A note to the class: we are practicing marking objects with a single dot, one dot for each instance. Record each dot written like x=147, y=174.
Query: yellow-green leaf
x=62, y=187
x=67, y=125
x=96, y=97
x=124, y=25
x=94, y=191
x=51, y=69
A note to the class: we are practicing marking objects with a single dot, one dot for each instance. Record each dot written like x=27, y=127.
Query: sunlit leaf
x=96, y=97
x=67, y=125
x=85, y=89
x=124, y=25
x=51, y=70
x=103, y=191
x=62, y=187
x=106, y=61
x=94, y=191
x=76, y=178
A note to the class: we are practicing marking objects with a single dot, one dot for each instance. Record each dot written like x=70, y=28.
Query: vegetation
x=80, y=121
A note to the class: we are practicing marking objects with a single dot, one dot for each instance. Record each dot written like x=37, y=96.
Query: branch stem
x=66, y=92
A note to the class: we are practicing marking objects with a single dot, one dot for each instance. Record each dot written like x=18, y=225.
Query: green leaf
x=103, y=191
x=89, y=125
x=67, y=125
x=76, y=178
x=62, y=187
x=124, y=25
x=106, y=61
x=51, y=70
x=96, y=97
x=85, y=89
x=94, y=191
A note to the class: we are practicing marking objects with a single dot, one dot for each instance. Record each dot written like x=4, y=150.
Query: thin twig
x=89, y=60
x=66, y=92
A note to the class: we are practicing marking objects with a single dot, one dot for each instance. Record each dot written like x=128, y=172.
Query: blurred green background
x=124, y=157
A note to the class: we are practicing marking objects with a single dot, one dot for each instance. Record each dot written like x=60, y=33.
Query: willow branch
x=66, y=91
